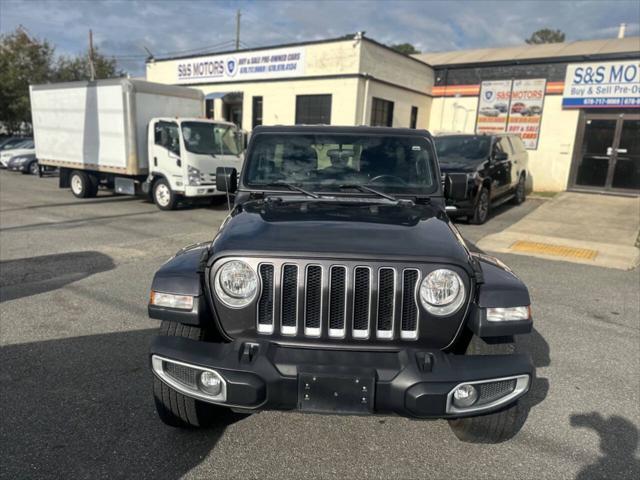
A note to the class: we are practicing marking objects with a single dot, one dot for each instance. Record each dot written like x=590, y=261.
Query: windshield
x=210, y=138
x=337, y=162
x=462, y=147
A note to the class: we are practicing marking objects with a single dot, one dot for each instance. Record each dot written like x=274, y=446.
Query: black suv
x=337, y=284
x=496, y=170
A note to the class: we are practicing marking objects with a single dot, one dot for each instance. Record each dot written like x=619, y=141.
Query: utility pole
x=238, y=30
x=92, y=67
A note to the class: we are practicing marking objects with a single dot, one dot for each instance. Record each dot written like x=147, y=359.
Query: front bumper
x=201, y=191
x=263, y=375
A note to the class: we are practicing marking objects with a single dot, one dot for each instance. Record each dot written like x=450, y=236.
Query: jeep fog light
x=500, y=314
x=210, y=383
x=181, y=302
x=465, y=395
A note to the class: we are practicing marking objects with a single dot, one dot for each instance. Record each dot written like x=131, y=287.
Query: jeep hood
x=355, y=229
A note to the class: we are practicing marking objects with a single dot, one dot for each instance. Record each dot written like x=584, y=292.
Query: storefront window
x=256, y=112
x=313, y=109
x=381, y=113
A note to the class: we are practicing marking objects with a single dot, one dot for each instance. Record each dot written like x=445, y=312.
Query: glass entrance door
x=609, y=157
x=626, y=167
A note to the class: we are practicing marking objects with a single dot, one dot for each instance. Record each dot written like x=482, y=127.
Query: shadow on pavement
x=618, y=444
x=83, y=408
x=29, y=276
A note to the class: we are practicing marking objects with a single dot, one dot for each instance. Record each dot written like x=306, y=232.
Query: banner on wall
x=525, y=110
x=602, y=85
x=493, y=106
x=271, y=63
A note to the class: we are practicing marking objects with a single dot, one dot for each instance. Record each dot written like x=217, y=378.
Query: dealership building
x=576, y=105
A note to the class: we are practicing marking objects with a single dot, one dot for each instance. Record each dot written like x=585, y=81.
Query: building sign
x=525, y=110
x=513, y=106
x=493, y=106
x=602, y=85
x=273, y=63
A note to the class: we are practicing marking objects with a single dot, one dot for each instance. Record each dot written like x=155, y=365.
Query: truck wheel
x=494, y=427
x=163, y=196
x=178, y=410
x=520, y=191
x=481, y=210
x=83, y=185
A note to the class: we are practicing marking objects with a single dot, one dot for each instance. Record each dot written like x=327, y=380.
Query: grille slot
x=386, y=302
x=265, y=304
x=345, y=301
x=409, y=326
x=289, y=299
x=313, y=301
x=361, y=302
x=337, y=301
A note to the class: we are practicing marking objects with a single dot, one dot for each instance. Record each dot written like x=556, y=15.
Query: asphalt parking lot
x=75, y=391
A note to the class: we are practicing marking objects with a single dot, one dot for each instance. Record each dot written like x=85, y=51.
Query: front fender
x=500, y=288
x=182, y=275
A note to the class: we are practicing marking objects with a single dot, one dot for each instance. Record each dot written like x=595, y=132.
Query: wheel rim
x=34, y=168
x=76, y=184
x=163, y=195
x=483, y=206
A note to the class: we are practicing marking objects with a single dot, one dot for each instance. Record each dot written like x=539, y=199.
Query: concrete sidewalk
x=600, y=230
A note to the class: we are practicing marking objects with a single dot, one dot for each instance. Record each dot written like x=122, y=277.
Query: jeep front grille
x=338, y=301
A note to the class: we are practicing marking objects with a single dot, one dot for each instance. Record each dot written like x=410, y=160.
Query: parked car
x=10, y=142
x=27, y=164
x=21, y=148
x=337, y=284
x=495, y=166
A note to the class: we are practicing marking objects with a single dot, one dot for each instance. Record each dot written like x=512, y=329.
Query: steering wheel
x=391, y=177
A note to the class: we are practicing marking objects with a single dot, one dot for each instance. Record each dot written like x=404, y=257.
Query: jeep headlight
x=194, y=175
x=442, y=292
x=236, y=284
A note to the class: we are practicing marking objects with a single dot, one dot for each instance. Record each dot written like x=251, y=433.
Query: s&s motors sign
x=273, y=63
x=602, y=85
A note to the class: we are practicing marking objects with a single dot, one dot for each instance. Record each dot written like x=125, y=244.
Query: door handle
x=155, y=161
x=179, y=162
x=621, y=150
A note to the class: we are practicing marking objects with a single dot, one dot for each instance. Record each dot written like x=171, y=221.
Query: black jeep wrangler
x=337, y=284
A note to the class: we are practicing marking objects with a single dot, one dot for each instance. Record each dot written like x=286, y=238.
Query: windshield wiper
x=290, y=187
x=365, y=189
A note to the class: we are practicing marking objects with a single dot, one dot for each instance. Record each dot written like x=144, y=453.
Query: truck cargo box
x=102, y=125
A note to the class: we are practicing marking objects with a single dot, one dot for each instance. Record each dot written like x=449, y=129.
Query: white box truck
x=132, y=136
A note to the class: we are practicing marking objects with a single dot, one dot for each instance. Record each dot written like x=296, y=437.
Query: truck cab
x=338, y=284
x=184, y=154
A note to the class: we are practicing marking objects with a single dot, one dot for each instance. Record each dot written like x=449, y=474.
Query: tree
x=24, y=60
x=545, y=35
x=70, y=69
x=404, y=48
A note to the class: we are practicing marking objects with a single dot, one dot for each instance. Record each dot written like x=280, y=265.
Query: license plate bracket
x=336, y=392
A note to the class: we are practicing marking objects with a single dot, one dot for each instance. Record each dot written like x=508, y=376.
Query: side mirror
x=226, y=179
x=455, y=186
x=500, y=156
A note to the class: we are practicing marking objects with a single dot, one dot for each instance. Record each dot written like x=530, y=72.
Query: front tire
x=494, y=427
x=481, y=210
x=163, y=196
x=520, y=194
x=178, y=410
x=34, y=168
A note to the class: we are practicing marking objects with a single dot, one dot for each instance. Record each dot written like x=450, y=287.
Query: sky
x=123, y=28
